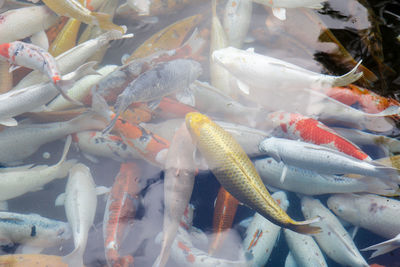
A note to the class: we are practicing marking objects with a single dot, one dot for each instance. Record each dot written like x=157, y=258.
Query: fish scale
x=236, y=173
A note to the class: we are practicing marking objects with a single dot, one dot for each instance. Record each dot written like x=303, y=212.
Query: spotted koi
x=298, y=127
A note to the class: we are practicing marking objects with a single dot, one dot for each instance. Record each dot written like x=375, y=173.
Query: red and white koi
x=261, y=234
x=74, y=57
x=298, y=127
x=31, y=56
x=180, y=171
x=122, y=204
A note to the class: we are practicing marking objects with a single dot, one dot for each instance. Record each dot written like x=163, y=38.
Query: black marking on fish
x=33, y=231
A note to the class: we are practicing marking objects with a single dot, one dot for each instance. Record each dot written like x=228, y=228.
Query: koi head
x=230, y=58
x=194, y=122
x=343, y=205
x=268, y=147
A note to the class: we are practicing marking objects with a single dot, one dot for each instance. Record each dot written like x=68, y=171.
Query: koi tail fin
x=75, y=258
x=349, y=77
x=380, y=187
x=384, y=247
x=303, y=227
x=62, y=165
x=103, y=20
x=69, y=80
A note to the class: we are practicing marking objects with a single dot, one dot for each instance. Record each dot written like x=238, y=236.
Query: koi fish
x=374, y=213
x=260, y=72
x=17, y=181
x=152, y=85
x=304, y=250
x=185, y=254
x=299, y=180
x=279, y=6
x=20, y=23
x=114, y=83
x=141, y=7
x=261, y=235
x=149, y=146
x=23, y=100
x=234, y=170
x=71, y=59
x=32, y=231
x=334, y=240
x=120, y=209
x=80, y=203
x=321, y=159
x=180, y=171
x=224, y=212
x=21, y=141
x=94, y=143
x=73, y=9
x=237, y=18
x=367, y=100
x=298, y=127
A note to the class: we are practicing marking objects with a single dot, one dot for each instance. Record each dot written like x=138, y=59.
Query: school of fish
x=203, y=147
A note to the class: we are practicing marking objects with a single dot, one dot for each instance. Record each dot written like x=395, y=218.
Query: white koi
x=237, y=20
x=334, y=240
x=180, y=171
x=279, y=6
x=17, y=181
x=304, y=250
x=299, y=180
x=322, y=159
x=20, y=142
x=261, y=235
x=20, y=23
x=374, y=213
x=80, y=203
x=259, y=72
x=27, y=99
x=32, y=231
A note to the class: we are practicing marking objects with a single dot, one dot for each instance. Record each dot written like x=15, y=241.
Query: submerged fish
x=237, y=174
x=279, y=6
x=258, y=72
x=80, y=203
x=73, y=9
x=164, y=79
x=32, y=231
x=122, y=204
x=20, y=180
x=322, y=159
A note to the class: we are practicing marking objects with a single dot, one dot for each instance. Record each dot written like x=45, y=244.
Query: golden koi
x=73, y=9
x=237, y=174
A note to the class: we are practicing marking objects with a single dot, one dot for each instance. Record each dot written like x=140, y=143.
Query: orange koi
x=170, y=108
x=120, y=208
x=224, y=213
x=357, y=96
x=149, y=146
